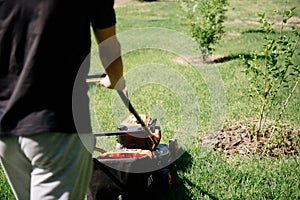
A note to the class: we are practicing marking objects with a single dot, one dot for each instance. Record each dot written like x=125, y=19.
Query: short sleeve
x=103, y=13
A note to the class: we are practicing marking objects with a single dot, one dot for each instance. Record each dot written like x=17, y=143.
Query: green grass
x=180, y=95
x=210, y=177
x=5, y=191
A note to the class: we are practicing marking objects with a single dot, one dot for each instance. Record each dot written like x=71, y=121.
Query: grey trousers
x=48, y=165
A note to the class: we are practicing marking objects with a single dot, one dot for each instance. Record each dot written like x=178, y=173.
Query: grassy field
x=189, y=99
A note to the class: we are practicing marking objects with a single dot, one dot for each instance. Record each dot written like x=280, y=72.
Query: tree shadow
x=253, y=31
x=234, y=57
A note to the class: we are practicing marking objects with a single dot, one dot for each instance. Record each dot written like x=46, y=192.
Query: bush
x=205, y=19
x=274, y=76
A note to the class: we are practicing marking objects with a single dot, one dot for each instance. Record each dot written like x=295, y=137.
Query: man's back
x=42, y=46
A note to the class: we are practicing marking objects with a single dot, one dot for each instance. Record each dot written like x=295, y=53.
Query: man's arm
x=110, y=55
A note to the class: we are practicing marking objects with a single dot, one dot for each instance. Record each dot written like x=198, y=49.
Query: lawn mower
x=139, y=167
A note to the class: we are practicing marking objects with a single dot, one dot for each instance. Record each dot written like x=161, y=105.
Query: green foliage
x=273, y=75
x=205, y=19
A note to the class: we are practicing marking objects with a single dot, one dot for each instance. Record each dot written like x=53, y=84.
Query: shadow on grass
x=181, y=185
x=179, y=189
x=202, y=192
x=253, y=31
x=234, y=57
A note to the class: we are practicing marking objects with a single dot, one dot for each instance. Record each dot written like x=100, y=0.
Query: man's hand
x=119, y=85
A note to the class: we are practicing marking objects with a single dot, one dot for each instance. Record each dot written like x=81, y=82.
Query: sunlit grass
x=187, y=107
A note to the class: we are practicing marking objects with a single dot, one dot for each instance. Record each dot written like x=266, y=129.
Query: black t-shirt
x=42, y=47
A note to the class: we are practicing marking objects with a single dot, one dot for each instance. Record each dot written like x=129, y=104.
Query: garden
x=220, y=76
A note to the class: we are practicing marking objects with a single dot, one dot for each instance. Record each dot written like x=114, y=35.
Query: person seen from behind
x=43, y=46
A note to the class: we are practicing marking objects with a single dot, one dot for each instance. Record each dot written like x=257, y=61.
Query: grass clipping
x=273, y=141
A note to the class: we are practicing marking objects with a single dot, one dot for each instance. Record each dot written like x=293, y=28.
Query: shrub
x=274, y=77
x=205, y=19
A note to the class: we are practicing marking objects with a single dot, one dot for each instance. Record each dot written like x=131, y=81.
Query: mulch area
x=242, y=139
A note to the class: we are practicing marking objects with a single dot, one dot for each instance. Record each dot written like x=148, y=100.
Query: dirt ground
x=242, y=139
x=120, y=2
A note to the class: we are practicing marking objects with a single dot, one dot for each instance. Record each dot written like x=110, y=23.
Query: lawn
x=190, y=99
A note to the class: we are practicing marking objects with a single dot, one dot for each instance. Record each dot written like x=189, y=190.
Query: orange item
x=129, y=153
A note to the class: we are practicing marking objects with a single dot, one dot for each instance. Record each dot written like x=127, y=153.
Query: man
x=43, y=46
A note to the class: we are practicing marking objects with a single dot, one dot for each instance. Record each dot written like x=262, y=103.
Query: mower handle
x=97, y=75
x=151, y=141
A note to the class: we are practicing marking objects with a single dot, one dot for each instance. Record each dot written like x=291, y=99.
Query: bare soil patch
x=293, y=21
x=242, y=139
x=231, y=35
x=121, y=2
